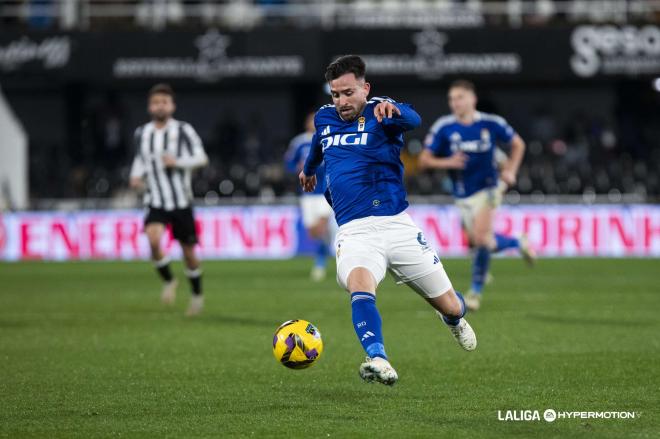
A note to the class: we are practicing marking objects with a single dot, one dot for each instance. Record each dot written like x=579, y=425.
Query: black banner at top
x=550, y=54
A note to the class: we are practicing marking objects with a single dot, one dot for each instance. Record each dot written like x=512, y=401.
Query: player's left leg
x=368, y=327
x=361, y=265
x=193, y=272
x=184, y=230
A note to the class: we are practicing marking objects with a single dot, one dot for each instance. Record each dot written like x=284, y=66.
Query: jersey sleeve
x=197, y=157
x=408, y=120
x=437, y=143
x=138, y=167
x=502, y=130
x=315, y=156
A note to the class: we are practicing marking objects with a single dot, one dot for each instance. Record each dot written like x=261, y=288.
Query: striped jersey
x=167, y=188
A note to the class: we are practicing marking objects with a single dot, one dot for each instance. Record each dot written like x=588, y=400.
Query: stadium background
x=578, y=82
x=86, y=349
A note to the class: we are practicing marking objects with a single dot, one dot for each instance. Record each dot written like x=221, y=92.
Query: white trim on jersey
x=167, y=188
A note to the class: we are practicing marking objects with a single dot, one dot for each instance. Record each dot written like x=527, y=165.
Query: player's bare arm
x=427, y=160
x=511, y=166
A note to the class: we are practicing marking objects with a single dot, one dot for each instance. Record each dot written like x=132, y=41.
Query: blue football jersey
x=478, y=141
x=296, y=155
x=364, y=173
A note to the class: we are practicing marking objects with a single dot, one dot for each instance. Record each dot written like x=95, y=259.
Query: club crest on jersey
x=351, y=139
x=361, y=121
x=485, y=135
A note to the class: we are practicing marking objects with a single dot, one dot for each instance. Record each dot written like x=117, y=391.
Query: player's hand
x=169, y=160
x=508, y=176
x=136, y=183
x=385, y=110
x=308, y=183
x=457, y=161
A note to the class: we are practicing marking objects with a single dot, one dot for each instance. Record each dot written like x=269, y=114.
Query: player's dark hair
x=346, y=64
x=161, y=89
x=464, y=84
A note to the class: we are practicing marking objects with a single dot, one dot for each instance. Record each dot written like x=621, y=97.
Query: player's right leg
x=154, y=231
x=319, y=231
x=483, y=240
x=316, y=213
x=361, y=266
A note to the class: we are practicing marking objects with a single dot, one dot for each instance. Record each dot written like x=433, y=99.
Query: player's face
x=161, y=107
x=462, y=101
x=349, y=94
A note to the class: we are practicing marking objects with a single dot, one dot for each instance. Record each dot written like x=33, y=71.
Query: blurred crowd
x=247, y=14
x=586, y=156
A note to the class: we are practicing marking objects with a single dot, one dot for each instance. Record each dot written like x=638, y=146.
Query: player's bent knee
x=361, y=279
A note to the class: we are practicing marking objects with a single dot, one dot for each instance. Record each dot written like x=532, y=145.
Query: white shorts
x=470, y=206
x=394, y=243
x=314, y=208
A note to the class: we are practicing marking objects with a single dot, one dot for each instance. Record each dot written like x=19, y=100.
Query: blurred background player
x=317, y=214
x=465, y=143
x=360, y=142
x=167, y=151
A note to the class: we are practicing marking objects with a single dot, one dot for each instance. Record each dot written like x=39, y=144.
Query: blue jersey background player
x=465, y=143
x=360, y=142
x=316, y=212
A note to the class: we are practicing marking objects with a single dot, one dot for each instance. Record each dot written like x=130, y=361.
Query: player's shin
x=164, y=270
x=480, y=266
x=368, y=324
x=453, y=319
x=195, y=279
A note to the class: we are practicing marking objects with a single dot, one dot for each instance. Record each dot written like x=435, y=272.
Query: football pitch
x=87, y=350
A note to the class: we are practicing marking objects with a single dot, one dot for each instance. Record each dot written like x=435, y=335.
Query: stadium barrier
x=276, y=232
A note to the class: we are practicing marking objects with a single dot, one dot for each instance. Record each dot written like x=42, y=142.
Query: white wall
x=13, y=159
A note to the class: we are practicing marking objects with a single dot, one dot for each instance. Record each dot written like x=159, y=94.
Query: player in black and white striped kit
x=167, y=151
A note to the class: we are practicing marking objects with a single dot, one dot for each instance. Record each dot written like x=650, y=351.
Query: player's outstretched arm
x=196, y=159
x=511, y=166
x=396, y=114
x=315, y=157
x=427, y=160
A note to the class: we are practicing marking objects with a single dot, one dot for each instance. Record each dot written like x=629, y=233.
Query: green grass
x=86, y=350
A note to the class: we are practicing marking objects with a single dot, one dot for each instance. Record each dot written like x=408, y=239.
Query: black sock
x=195, y=278
x=164, y=270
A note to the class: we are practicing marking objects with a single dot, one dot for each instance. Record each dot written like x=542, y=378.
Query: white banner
x=276, y=232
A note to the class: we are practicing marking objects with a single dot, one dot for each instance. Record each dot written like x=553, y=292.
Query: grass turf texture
x=86, y=350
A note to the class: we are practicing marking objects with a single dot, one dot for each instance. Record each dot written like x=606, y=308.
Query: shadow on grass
x=234, y=320
x=581, y=320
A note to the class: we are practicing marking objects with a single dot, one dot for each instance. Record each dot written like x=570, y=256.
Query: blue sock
x=504, y=242
x=321, y=254
x=453, y=321
x=367, y=324
x=480, y=268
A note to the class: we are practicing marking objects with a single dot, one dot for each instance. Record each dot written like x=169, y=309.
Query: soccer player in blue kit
x=465, y=143
x=360, y=142
x=316, y=213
